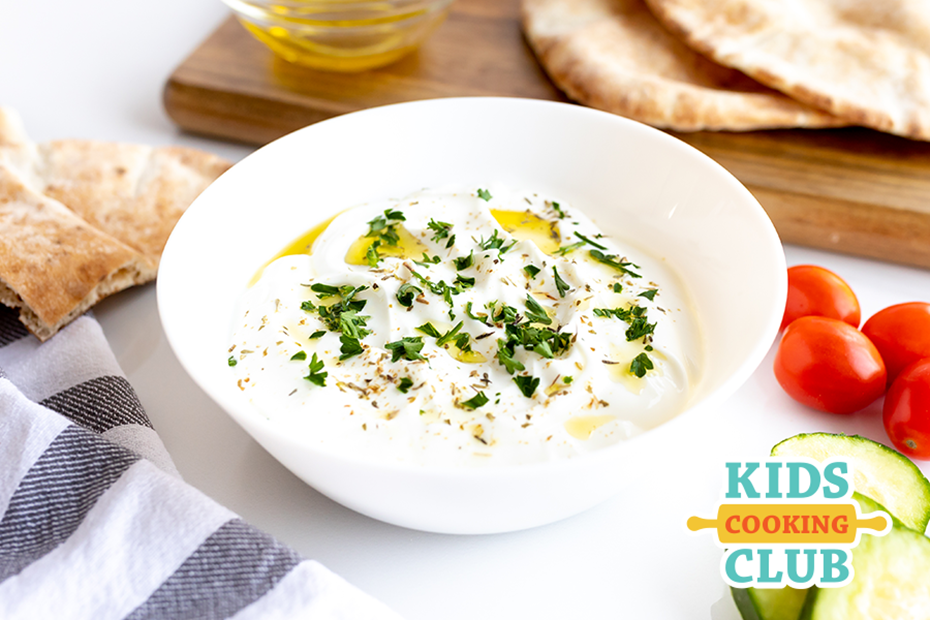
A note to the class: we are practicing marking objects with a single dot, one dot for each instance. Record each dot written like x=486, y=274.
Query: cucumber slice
x=890, y=579
x=887, y=476
x=769, y=604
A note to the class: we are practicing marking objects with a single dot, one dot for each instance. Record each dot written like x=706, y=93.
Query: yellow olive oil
x=581, y=426
x=407, y=246
x=527, y=226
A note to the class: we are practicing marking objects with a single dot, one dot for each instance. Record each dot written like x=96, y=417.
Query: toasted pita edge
x=134, y=272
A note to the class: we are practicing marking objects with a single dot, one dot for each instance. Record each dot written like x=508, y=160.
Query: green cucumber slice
x=769, y=604
x=890, y=579
x=886, y=476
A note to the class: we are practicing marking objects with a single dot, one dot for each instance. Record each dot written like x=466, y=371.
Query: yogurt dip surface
x=465, y=327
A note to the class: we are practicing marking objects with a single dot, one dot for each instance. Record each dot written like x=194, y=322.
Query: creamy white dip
x=578, y=394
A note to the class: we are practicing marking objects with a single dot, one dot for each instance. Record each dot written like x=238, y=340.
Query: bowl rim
x=238, y=410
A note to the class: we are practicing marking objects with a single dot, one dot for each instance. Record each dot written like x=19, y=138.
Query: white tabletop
x=95, y=69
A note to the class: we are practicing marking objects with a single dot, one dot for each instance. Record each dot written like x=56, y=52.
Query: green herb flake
x=429, y=330
x=407, y=347
x=478, y=400
x=464, y=262
x=650, y=294
x=317, y=334
x=461, y=283
x=427, y=261
x=640, y=364
x=484, y=195
x=558, y=210
x=231, y=361
x=527, y=384
x=589, y=242
x=440, y=229
x=324, y=290
x=300, y=355
x=505, y=357
x=618, y=288
x=407, y=293
x=560, y=284
x=449, y=335
x=611, y=260
x=350, y=347
x=567, y=380
x=405, y=384
x=371, y=255
x=481, y=318
x=531, y=271
x=316, y=377
x=562, y=251
x=535, y=312
x=307, y=306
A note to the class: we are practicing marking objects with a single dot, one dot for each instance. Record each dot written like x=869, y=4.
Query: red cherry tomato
x=907, y=410
x=901, y=333
x=815, y=291
x=829, y=365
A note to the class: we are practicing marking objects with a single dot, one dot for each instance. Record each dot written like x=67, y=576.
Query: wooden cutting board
x=849, y=190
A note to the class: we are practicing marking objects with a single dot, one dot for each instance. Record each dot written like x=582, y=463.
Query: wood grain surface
x=849, y=190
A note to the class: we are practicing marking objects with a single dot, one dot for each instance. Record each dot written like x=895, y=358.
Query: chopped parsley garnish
x=308, y=306
x=427, y=261
x=407, y=293
x=560, y=284
x=635, y=316
x=484, y=195
x=350, y=347
x=478, y=400
x=441, y=231
x=640, y=364
x=429, y=330
x=317, y=334
x=531, y=271
x=611, y=260
x=567, y=380
x=384, y=229
x=231, y=361
x=505, y=357
x=405, y=384
x=482, y=318
x=618, y=288
x=341, y=316
x=300, y=355
x=650, y=294
x=449, y=335
x=558, y=210
x=461, y=283
x=504, y=314
x=562, y=251
x=495, y=242
x=316, y=377
x=589, y=242
x=441, y=288
x=527, y=384
x=535, y=312
x=464, y=262
x=371, y=255
x=325, y=290
x=408, y=347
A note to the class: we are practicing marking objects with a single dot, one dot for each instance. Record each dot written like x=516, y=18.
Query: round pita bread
x=615, y=56
x=865, y=60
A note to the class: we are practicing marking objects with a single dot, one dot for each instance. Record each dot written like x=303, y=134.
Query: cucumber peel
x=884, y=475
x=769, y=603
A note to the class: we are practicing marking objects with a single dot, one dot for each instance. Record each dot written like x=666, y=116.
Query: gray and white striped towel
x=96, y=520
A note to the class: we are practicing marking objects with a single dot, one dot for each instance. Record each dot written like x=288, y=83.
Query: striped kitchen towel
x=97, y=523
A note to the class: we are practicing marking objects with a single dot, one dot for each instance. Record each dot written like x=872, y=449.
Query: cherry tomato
x=906, y=411
x=829, y=365
x=901, y=333
x=815, y=291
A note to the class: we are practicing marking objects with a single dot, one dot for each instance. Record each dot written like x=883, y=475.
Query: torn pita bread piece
x=53, y=265
x=614, y=55
x=868, y=62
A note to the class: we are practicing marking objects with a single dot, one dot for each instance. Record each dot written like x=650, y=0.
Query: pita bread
x=614, y=55
x=53, y=265
x=80, y=220
x=866, y=61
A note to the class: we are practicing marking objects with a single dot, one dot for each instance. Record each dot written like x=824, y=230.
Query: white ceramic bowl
x=637, y=183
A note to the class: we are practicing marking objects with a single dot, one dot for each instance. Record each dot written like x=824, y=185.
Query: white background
x=95, y=69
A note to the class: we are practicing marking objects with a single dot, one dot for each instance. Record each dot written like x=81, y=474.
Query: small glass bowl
x=340, y=35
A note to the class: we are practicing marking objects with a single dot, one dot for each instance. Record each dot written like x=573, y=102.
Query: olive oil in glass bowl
x=340, y=35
